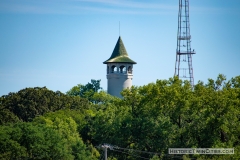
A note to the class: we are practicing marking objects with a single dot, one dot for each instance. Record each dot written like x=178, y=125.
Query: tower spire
x=183, y=65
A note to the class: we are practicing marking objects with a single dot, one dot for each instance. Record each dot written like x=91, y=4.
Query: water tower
x=119, y=70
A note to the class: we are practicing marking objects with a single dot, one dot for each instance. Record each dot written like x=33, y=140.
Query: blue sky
x=62, y=43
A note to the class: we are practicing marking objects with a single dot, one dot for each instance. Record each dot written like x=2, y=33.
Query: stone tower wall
x=119, y=79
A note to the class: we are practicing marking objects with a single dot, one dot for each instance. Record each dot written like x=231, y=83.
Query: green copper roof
x=119, y=54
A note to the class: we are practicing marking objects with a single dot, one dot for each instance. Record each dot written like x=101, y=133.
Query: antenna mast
x=119, y=28
x=183, y=65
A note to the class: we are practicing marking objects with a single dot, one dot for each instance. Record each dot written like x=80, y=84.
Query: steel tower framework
x=183, y=65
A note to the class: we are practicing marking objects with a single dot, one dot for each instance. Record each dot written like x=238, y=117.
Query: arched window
x=122, y=69
x=130, y=69
x=114, y=69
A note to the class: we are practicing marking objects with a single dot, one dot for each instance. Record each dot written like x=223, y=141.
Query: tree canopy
x=30, y=102
x=85, y=91
x=146, y=122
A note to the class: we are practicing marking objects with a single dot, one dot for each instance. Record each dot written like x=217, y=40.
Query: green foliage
x=25, y=140
x=155, y=157
x=30, y=102
x=149, y=119
x=47, y=137
x=103, y=98
x=68, y=123
x=85, y=91
x=169, y=113
x=72, y=119
x=10, y=147
x=6, y=116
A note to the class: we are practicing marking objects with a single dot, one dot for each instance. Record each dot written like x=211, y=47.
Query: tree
x=150, y=118
x=169, y=113
x=6, y=116
x=9, y=142
x=52, y=137
x=30, y=102
x=64, y=123
x=28, y=141
x=85, y=91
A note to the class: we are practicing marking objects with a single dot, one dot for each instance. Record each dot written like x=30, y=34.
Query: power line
x=118, y=149
x=131, y=154
x=138, y=150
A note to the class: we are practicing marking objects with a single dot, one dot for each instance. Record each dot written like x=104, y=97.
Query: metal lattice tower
x=183, y=65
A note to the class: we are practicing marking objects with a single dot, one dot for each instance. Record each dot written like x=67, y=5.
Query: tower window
x=130, y=69
x=113, y=69
x=123, y=69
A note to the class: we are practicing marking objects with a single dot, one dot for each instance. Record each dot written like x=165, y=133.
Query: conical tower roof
x=119, y=54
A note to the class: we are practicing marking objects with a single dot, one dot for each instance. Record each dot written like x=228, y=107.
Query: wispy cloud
x=26, y=8
x=119, y=10
x=95, y=6
x=36, y=7
x=132, y=4
x=83, y=6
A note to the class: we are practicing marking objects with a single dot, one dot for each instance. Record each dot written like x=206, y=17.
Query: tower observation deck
x=184, y=52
